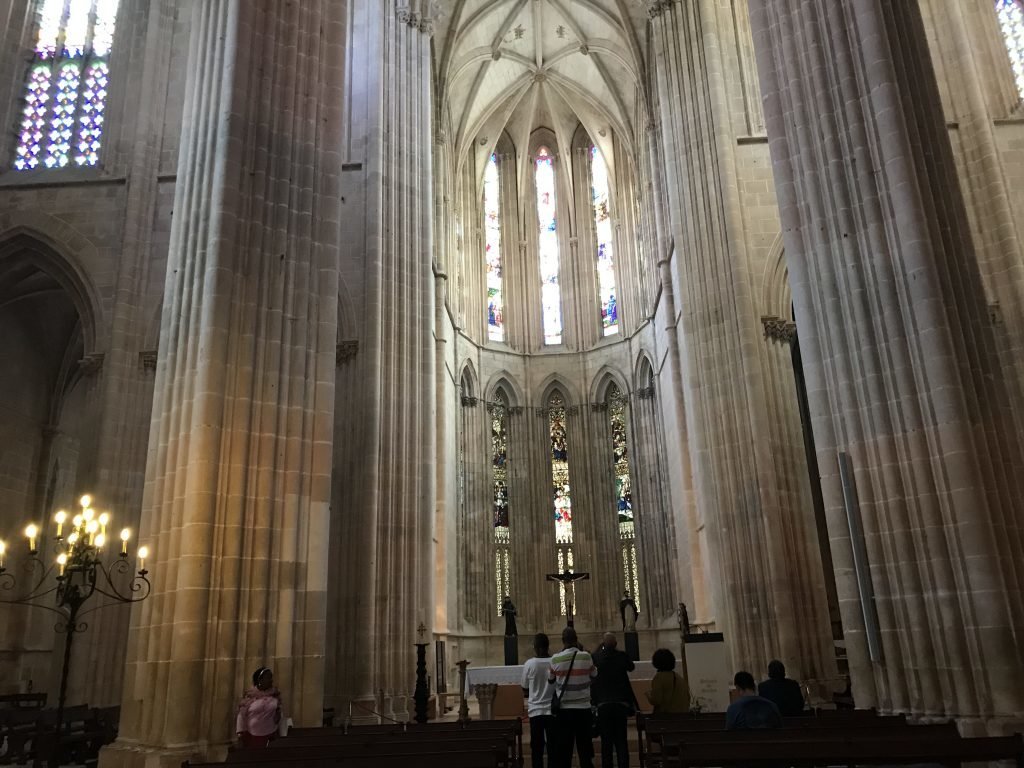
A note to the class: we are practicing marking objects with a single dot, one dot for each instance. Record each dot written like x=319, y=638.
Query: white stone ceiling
x=517, y=65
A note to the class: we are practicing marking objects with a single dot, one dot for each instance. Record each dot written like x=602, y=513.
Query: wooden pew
x=23, y=701
x=669, y=743
x=424, y=759
x=360, y=748
x=647, y=725
x=511, y=729
x=848, y=751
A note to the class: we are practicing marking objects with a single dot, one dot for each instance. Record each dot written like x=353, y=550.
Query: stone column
x=238, y=474
x=899, y=356
x=116, y=477
x=385, y=538
x=735, y=482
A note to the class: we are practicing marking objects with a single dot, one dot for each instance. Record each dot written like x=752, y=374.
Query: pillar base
x=511, y=650
x=127, y=755
x=632, y=640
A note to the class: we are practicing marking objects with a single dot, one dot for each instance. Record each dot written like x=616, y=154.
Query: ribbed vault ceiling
x=520, y=64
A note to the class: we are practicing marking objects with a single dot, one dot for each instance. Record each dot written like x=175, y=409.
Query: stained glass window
x=561, y=491
x=499, y=456
x=605, y=244
x=66, y=89
x=547, y=215
x=1011, y=19
x=492, y=231
x=623, y=490
x=498, y=412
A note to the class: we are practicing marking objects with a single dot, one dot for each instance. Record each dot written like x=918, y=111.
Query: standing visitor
x=571, y=672
x=538, y=692
x=259, y=714
x=612, y=694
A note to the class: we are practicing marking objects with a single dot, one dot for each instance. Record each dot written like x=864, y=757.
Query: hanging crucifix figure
x=568, y=580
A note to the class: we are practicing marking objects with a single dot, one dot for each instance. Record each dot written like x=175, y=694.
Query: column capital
x=657, y=7
x=777, y=329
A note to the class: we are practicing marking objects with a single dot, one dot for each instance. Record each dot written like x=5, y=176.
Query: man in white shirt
x=538, y=691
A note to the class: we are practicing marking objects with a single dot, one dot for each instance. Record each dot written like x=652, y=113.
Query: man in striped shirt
x=572, y=670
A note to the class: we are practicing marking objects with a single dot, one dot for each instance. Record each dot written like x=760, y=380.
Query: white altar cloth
x=514, y=675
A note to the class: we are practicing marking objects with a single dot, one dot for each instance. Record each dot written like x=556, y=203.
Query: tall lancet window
x=623, y=492
x=492, y=230
x=1011, y=19
x=605, y=244
x=66, y=90
x=562, y=493
x=547, y=215
x=499, y=469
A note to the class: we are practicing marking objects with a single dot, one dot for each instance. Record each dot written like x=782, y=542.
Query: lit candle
x=88, y=513
x=104, y=519
x=62, y=560
x=59, y=518
x=101, y=539
x=77, y=521
x=143, y=554
x=3, y=549
x=125, y=535
x=72, y=538
x=31, y=532
x=86, y=501
x=91, y=527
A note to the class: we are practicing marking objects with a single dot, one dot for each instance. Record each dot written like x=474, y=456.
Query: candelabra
x=76, y=573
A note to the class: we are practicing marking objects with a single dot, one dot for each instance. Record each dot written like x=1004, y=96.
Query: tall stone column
x=386, y=533
x=238, y=474
x=759, y=591
x=119, y=457
x=899, y=356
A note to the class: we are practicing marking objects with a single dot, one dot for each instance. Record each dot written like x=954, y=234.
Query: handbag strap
x=566, y=681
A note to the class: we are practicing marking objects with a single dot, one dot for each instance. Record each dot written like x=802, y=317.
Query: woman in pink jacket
x=260, y=711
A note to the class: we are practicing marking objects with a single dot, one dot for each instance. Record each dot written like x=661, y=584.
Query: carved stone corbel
x=345, y=351
x=91, y=364
x=777, y=329
x=147, y=360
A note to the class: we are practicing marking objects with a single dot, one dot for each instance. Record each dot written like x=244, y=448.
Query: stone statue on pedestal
x=508, y=610
x=629, y=612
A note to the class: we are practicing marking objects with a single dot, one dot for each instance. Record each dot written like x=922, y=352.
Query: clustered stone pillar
x=384, y=528
x=735, y=482
x=238, y=475
x=899, y=356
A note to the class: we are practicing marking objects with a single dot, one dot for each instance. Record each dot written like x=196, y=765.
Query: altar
x=499, y=691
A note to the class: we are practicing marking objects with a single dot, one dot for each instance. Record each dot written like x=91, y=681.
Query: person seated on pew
x=259, y=713
x=538, y=692
x=750, y=711
x=668, y=693
x=778, y=688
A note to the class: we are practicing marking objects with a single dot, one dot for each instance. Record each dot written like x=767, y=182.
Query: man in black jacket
x=778, y=688
x=612, y=694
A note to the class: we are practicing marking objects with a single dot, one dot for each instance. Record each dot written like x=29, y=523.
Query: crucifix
x=568, y=579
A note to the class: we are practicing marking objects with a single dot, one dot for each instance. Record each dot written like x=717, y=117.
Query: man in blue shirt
x=750, y=711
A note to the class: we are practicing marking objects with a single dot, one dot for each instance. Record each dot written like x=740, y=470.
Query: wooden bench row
x=683, y=742
x=32, y=735
x=487, y=744
x=22, y=701
x=847, y=751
